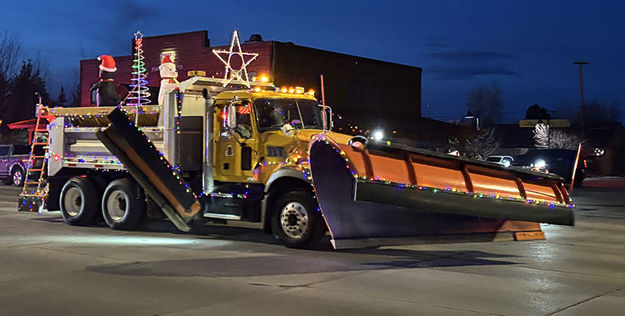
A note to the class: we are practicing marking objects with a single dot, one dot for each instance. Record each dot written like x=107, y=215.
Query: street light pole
x=581, y=95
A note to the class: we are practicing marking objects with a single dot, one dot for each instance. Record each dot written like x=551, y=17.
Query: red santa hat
x=166, y=60
x=108, y=63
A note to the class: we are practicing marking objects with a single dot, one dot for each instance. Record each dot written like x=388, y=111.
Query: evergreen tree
x=21, y=101
x=62, y=99
x=536, y=112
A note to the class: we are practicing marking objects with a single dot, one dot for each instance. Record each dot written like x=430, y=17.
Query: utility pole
x=581, y=95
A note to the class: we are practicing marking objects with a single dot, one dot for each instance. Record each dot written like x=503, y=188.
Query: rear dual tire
x=79, y=201
x=122, y=205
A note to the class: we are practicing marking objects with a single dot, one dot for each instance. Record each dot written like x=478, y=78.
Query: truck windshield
x=275, y=113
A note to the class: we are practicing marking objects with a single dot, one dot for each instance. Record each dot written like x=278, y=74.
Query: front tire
x=123, y=205
x=79, y=201
x=296, y=220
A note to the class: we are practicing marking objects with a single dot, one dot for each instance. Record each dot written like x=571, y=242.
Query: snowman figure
x=105, y=87
x=169, y=81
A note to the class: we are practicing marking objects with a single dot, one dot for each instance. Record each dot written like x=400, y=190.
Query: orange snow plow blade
x=385, y=194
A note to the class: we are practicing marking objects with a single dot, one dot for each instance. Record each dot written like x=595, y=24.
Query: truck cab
x=261, y=138
x=265, y=128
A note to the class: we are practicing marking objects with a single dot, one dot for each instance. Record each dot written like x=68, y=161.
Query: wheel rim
x=73, y=201
x=294, y=220
x=17, y=177
x=116, y=205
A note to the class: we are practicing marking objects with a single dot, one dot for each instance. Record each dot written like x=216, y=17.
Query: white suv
x=502, y=160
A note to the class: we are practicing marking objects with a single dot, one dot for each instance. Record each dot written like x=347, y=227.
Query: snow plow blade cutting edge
x=385, y=194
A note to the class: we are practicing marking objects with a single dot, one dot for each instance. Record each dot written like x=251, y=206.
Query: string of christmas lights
x=231, y=73
x=350, y=166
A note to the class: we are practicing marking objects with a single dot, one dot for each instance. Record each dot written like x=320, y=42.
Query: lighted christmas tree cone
x=139, y=94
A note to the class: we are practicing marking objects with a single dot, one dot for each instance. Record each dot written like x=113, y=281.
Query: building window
x=171, y=53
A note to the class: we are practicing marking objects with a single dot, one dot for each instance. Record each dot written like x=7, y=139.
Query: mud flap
x=150, y=169
x=355, y=210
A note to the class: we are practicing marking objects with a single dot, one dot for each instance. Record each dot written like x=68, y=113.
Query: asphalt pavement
x=50, y=268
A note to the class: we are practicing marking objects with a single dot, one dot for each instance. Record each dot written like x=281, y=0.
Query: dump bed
x=73, y=141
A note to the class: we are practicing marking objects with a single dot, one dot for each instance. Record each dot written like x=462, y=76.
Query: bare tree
x=481, y=145
x=10, y=48
x=486, y=103
x=594, y=111
x=600, y=112
x=545, y=137
x=9, y=54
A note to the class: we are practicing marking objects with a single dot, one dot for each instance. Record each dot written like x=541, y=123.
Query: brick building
x=359, y=89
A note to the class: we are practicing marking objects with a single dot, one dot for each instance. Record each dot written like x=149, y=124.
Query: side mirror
x=326, y=112
x=230, y=117
x=329, y=118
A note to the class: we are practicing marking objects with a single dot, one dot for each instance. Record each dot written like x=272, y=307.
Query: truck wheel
x=17, y=176
x=296, y=221
x=79, y=201
x=123, y=205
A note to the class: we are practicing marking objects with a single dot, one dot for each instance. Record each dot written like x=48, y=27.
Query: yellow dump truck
x=266, y=156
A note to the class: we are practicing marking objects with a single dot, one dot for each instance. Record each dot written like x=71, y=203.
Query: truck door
x=4, y=160
x=236, y=151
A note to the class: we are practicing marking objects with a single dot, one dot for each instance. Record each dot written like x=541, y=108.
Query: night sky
x=526, y=46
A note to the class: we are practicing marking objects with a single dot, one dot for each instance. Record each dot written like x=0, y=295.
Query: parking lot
x=47, y=267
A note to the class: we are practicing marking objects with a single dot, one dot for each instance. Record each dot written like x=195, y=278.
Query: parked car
x=13, y=160
x=502, y=160
x=558, y=161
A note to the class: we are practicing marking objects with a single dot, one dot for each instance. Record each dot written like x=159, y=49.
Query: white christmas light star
x=235, y=74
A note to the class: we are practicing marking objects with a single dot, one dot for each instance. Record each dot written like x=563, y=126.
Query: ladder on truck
x=35, y=189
